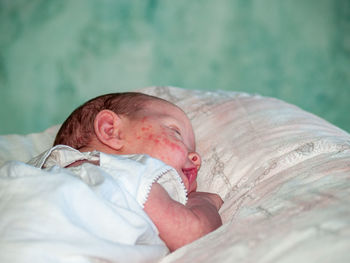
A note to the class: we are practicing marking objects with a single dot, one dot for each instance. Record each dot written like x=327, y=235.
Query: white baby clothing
x=86, y=213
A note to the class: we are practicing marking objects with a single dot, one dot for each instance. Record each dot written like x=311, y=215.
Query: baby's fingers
x=217, y=201
x=212, y=198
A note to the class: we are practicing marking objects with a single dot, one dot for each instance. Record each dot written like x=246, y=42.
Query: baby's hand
x=180, y=224
x=212, y=198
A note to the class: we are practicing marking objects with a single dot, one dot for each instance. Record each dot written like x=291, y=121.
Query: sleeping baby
x=118, y=185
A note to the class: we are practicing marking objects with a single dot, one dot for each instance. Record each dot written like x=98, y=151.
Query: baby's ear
x=107, y=129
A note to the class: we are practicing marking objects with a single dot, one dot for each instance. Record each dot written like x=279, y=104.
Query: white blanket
x=83, y=214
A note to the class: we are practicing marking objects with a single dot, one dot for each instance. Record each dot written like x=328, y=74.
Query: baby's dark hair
x=78, y=129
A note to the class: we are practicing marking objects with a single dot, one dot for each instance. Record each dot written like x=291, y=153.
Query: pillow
x=247, y=139
x=283, y=173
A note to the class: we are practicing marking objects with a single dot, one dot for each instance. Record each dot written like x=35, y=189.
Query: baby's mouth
x=191, y=174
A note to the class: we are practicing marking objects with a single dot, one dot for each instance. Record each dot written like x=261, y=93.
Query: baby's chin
x=190, y=187
x=193, y=187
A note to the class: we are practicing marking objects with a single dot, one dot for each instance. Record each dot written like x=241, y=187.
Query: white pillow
x=283, y=173
x=247, y=139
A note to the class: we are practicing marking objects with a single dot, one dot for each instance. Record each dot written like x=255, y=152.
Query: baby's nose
x=195, y=159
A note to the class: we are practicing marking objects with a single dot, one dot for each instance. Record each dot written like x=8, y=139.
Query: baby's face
x=163, y=131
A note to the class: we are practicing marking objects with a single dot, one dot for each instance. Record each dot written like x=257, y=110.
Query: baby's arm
x=180, y=224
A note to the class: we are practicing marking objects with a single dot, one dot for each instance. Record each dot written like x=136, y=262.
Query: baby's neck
x=87, y=149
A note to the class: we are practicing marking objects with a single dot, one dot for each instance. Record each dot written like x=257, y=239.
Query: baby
x=132, y=124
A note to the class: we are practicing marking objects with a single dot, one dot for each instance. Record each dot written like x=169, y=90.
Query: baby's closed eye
x=176, y=131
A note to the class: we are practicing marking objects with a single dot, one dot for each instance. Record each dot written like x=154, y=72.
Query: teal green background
x=55, y=54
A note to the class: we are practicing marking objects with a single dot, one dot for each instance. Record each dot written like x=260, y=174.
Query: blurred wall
x=55, y=54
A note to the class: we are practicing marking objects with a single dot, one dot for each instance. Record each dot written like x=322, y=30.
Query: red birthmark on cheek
x=144, y=132
x=146, y=128
x=172, y=145
x=153, y=138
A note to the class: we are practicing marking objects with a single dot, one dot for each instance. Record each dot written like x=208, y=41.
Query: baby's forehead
x=160, y=106
x=153, y=100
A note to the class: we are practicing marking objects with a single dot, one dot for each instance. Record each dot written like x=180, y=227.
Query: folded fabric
x=88, y=213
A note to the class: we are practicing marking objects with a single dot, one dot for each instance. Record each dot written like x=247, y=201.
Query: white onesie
x=86, y=213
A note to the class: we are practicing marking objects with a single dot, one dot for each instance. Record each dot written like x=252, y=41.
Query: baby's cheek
x=171, y=145
x=173, y=153
x=153, y=139
x=150, y=141
x=146, y=134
